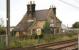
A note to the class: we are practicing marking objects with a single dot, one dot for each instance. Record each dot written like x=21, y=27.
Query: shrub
x=46, y=27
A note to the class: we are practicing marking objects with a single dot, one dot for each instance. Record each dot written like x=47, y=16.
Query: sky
x=67, y=10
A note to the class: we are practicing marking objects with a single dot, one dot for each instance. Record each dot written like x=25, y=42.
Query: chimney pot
x=33, y=2
x=30, y=2
x=31, y=7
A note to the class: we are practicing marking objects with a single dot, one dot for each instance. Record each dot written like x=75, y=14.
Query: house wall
x=57, y=25
x=22, y=34
x=40, y=24
x=17, y=34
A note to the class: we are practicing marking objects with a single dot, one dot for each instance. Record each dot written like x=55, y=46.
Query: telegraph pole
x=7, y=23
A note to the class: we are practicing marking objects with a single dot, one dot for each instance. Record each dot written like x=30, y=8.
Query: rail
x=50, y=46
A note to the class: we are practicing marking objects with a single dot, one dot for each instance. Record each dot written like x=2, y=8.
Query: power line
x=69, y=4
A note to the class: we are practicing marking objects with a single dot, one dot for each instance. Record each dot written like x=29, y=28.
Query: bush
x=46, y=27
x=2, y=45
x=47, y=38
x=15, y=44
x=71, y=34
x=2, y=31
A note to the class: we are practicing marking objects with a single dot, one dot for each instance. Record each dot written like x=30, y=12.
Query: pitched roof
x=24, y=25
x=42, y=14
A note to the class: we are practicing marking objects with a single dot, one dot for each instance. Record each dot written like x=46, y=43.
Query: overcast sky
x=67, y=10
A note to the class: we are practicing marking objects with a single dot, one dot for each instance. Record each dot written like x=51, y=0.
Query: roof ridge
x=42, y=9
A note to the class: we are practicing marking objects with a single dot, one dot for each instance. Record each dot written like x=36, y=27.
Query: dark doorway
x=52, y=30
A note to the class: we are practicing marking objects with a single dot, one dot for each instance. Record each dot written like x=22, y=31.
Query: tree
x=2, y=29
x=75, y=25
x=46, y=27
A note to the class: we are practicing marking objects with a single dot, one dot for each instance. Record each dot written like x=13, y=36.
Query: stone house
x=35, y=19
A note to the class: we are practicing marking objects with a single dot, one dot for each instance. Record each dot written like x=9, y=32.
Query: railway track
x=59, y=45
x=52, y=46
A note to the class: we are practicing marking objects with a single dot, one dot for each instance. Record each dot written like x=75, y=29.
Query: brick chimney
x=31, y=7
x=54, y=9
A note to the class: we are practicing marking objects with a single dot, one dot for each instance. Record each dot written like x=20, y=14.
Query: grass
x=2, y=42
x=15, y=42
x=60, y=37
x=44, y=40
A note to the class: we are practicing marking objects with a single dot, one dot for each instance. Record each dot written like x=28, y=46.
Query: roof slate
x=39, y=15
